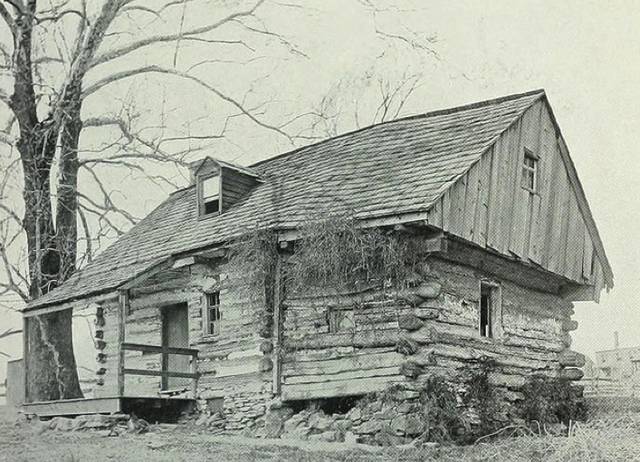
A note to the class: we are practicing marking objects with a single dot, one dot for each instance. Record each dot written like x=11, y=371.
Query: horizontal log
x=428, y=290
x=301, y=323
x=343, y=375
x=229, y=367
x=160, y=349
x=410, y=322
x=569, y=325
x=186, y=375
x=407, y=347
x=571, y=374
x=409, y=296
x=447, y=334
x=328, y=298
x=312, y=355
x=470, y=354
x=543, y=345
x=343, y=364
x=350, y=387
x=370, y=338
x=571, y=358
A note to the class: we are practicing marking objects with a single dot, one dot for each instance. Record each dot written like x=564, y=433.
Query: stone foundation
x=234, y=412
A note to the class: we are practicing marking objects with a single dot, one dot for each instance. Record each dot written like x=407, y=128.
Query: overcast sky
x=585, y=54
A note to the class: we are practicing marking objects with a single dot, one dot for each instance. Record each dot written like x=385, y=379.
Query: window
x=212, y=316
x=341, y=320
x=209, y=195
x=490, y=310
x=530, y=171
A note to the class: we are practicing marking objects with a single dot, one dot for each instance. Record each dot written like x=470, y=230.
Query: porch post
x=277, y=327
x=123, y=308
x=194, y=370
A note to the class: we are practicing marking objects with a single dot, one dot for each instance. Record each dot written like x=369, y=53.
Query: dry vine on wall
x=331, y=256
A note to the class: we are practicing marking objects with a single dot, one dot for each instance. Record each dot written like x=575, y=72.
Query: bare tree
x=57, y=56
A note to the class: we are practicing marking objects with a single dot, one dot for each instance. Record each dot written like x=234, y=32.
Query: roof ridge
x=423, y=115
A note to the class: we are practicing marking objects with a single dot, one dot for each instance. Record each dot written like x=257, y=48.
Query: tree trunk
x=66, y=212
x=51, y=252
x=50, y=360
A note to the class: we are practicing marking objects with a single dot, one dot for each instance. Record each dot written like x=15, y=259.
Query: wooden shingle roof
x=389, y=169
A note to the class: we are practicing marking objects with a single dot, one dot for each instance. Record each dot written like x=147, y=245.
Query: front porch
x=171, y=373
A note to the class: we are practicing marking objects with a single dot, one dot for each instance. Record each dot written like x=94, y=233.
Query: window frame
x=336, y=315
x=495, y=309
x=200, y=192
x=206, y=316
x=534, y=170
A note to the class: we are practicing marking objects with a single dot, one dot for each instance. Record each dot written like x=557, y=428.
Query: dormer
x=220, y=185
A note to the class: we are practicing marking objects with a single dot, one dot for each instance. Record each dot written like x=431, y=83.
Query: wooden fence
x=598, y=386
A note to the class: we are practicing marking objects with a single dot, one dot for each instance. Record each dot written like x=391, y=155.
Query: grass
x=614, y=437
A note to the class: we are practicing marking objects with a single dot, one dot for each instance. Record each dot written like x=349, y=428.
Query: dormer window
x=210, y=195
x=219, y=185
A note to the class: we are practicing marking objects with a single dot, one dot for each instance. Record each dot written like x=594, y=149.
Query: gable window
x=209, y=195
x=489, y=310
x=530, y=171
x=212, y=316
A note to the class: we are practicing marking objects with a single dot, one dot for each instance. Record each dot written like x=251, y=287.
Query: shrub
x=551, y=400
x=440, y=412
x=484, y=400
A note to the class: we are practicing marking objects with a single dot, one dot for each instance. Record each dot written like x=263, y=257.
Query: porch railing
x=165, y=351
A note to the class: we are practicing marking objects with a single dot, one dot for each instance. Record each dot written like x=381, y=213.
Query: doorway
x=175, y=333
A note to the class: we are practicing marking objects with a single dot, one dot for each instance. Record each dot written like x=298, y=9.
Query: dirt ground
x=611, y=440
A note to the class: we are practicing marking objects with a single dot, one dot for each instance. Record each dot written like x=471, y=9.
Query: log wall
x=231, y=364
x=400, y=337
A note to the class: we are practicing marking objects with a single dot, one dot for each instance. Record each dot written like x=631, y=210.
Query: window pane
x=528, y=180
x=211, y=206
x=210, y=187
x=212, y=323
x=529, y=161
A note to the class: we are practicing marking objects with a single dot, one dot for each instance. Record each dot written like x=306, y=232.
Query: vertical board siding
x=488, y=205
x=471, y=202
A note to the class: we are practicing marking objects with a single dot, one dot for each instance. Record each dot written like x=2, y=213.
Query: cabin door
x=175, y=333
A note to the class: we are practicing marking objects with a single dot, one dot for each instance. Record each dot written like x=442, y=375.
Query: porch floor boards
x=109, y=405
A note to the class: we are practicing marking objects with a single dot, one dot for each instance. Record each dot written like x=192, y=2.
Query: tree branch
x=157, y=69
x=8, y=19
x=120, y=52
x=10, y=285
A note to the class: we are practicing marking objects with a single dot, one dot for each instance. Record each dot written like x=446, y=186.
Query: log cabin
x=490, y=189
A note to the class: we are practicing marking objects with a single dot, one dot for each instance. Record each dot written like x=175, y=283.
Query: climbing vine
x=253, y=256
x=338, y=253
x=329, y=256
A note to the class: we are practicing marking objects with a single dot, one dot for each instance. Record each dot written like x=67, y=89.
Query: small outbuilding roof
x=389, y=169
